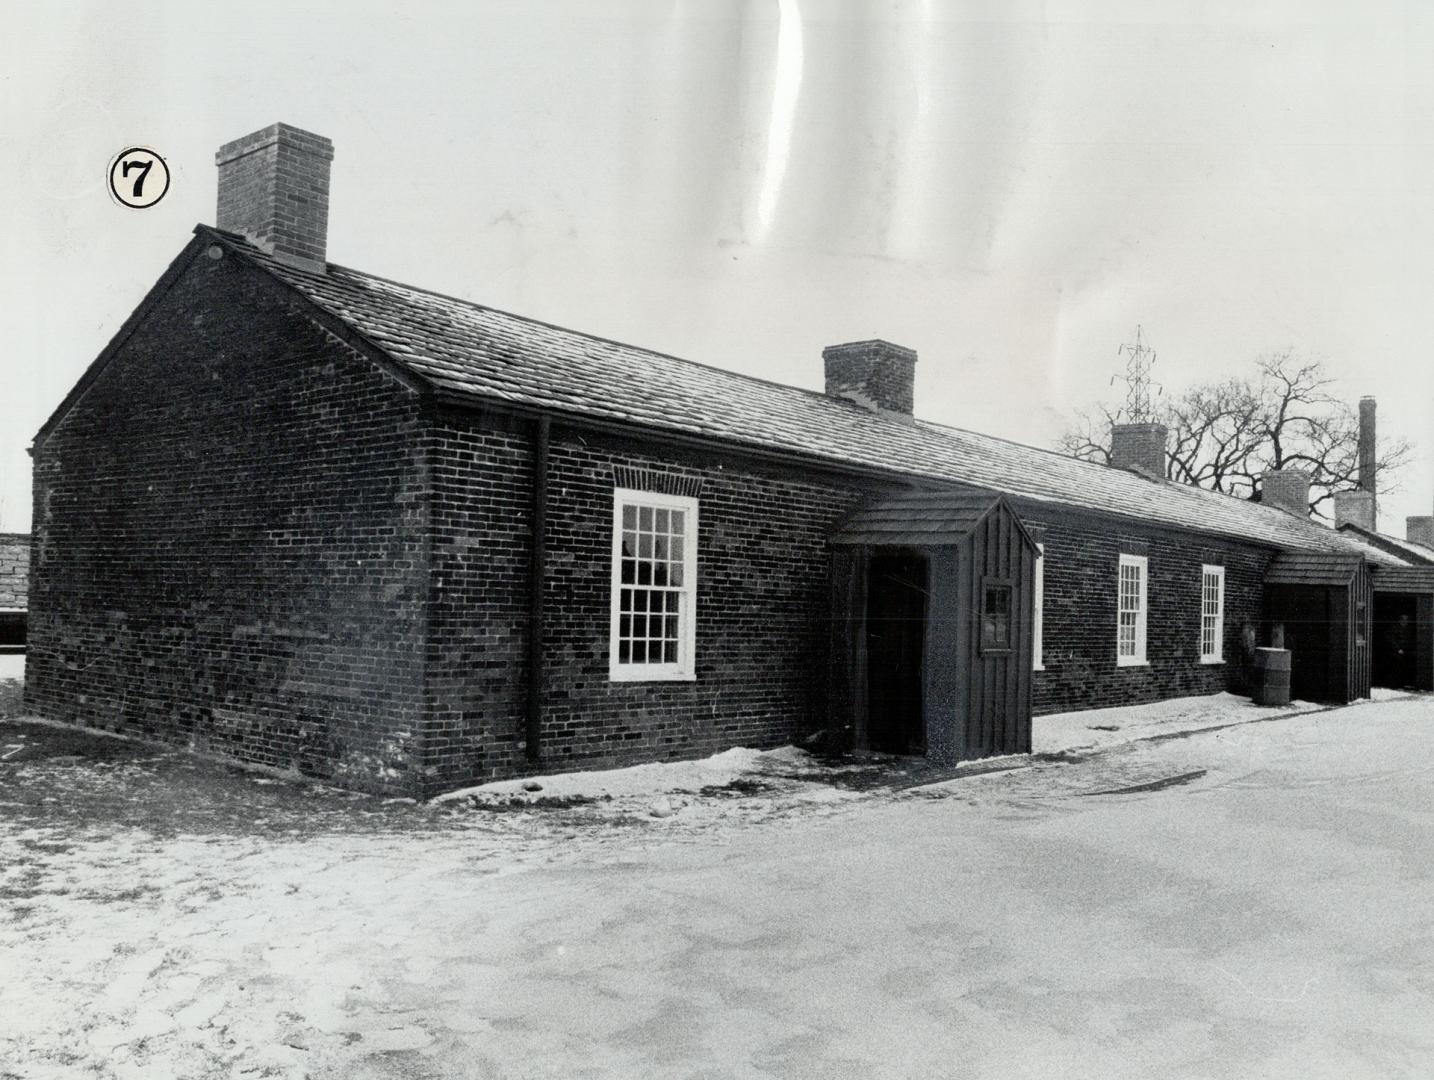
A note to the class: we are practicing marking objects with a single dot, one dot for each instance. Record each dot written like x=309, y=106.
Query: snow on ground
x=1105, y=727
x=638, y=781
x=1248, y=902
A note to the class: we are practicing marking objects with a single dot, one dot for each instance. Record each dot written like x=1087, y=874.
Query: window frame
x=1007, y=586
x=1142, y=614
x=1038, y=610
x=685, y=667
x=1208, y=570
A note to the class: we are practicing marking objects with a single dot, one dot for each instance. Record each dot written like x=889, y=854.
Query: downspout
x=538, y=576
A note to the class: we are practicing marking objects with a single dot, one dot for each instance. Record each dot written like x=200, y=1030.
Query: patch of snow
x=1382, y=693
x=1095, y=728
x=636, y=781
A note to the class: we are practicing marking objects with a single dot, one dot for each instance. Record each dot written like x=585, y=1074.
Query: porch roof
x=921, y=519
x=1404, y=579
x=1312, y=568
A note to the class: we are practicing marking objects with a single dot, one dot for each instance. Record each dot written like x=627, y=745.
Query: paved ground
x=1253, y=902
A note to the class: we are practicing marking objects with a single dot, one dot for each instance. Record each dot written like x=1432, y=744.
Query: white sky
x=1007, y=188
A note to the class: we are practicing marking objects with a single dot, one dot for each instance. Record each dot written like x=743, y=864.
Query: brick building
x=302, y=515
x=14, y=590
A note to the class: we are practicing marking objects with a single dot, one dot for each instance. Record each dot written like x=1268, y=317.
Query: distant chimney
x=1367, y=461
x=875, y=374
x=274, y=188
x=1368, y=457
x=1140, y=447
x=1354, y=508
x=1420, y=530
x=1287, y=490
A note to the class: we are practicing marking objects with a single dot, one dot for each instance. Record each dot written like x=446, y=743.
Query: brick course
x=14, y=570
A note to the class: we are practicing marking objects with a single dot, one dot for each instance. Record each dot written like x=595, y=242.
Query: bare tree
x=1226, y=435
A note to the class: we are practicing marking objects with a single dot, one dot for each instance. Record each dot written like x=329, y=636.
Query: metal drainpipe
x=538, y=577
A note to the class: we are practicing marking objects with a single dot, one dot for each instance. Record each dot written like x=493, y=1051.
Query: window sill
x=1212, y=659
x=628, y=675
x=1131, y=663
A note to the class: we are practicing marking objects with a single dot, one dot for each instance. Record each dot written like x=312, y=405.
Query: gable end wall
x=228, y=541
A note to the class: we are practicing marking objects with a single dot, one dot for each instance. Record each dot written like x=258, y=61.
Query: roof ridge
x=860, y=437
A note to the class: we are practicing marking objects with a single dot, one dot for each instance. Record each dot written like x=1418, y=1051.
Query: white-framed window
x=1038, y=612
x=654, y=586
x=1131, y=611
x=1212, y=614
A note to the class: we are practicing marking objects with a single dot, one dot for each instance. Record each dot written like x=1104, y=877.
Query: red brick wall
x=1082, y=554
x=229, y=542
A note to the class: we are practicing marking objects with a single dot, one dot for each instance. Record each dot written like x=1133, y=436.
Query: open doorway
x=895, y=643
x=1395, y=644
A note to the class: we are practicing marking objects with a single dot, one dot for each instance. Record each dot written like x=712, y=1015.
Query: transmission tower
x=1139, y=359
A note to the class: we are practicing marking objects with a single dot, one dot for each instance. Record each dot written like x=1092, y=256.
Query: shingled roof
x=477, y=352
x=1312, y=568
x=1407, y=550
x=919, y=518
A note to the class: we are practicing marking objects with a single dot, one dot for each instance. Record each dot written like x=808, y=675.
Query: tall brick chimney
x=1419, y=530
x=1139, y=447
x=1287, y=490
x=274, y=189
x=1368, y=466
x=875, y=374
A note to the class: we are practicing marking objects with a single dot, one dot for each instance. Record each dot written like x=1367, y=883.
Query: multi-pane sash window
x=1212, y=614
x=1131, y=611
x=654, y=564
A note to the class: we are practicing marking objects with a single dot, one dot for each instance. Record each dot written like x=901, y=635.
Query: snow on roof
x=1408, y=550
x=485, y=354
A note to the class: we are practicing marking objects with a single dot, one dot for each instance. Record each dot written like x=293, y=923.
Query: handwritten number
x=143, y=167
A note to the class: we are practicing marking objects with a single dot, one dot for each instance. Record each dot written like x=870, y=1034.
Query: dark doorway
x=1304, y=612
x=895, y=641
x=1395, y=647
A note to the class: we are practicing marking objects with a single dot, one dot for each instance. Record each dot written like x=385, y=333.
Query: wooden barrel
x=1272, y=677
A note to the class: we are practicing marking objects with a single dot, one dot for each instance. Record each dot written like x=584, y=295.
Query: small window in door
x=996, y=618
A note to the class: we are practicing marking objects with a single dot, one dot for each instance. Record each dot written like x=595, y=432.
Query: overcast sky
x=1007, y=188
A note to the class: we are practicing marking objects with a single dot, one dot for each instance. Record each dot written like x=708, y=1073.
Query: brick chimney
x=1287, y=490
x=875, y=374
x=1354, y=508
x=1139, y=447
x=274, y=189
x=1419, y=530
x=1368, y=461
